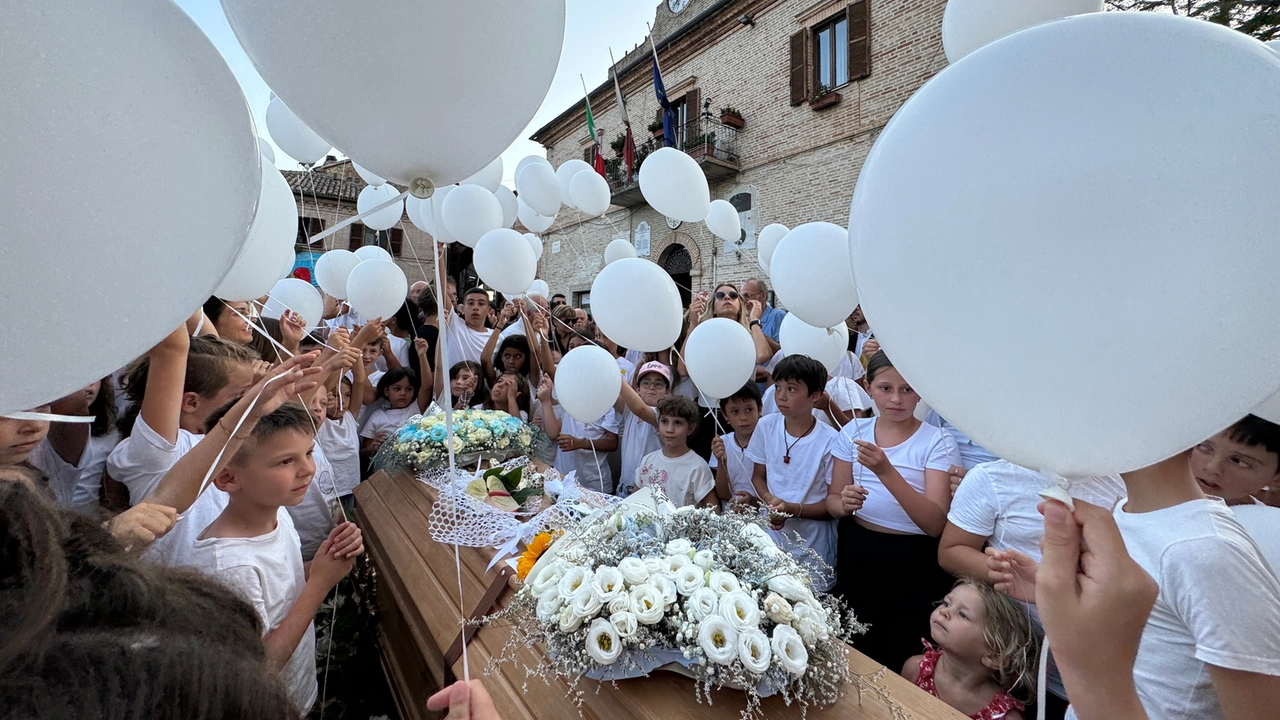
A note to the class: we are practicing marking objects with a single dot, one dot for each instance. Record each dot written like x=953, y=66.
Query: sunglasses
x=732, y=295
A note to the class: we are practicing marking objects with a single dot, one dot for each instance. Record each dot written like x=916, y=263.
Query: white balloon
x=332, y=270
x=723, y=221
x=810, y=273
x=299, y=296
x=538, y=188
x=1046, y=312
x=135, y=88
x=293, y=136
x=510, y=206
x=1273, y=45
x=969, y=24
x=367, y=176
x=618, y=249
x=1269, y=410
x=590, y=193
x=531, y=219
x=826, y=345
x=373, y=196
x=564, y=177
x=284, y=263
x=268, y=153
x=767, y=241
x=274, y=231
x=535, y=242
x=469, y=212
x=720, y=356
x=673, y=184
x=539, y=288
x=526, y=161
x=376, y=288
x=636, y=304
x=587, y=383
x=419, y=212
x=373, y=252
x=505, y=261
x=401, y=118
x=490, y=178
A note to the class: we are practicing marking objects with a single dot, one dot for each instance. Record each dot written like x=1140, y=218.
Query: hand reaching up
x=141, y=525
x=368, y=332
x=1012, y=573
x=292, y=328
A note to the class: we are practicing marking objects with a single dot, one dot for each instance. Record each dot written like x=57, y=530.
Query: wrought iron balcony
x=712, y=143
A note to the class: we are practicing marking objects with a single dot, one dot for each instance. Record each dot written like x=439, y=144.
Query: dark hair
x=310, y=341
x=289, y=416
x=1256, y=432
x=213, y=309
x=406, y=316
x=558, y=295
x=481, y=395
x=523, y=400
x=474, y=291
x=681, y=407
x=515, y=342
x=87, y=630
x=395, y=375
x=209, y=361
x=427, y=303
x=877, y=364
x=747, y=393
x=264, y=348
x=802, y=368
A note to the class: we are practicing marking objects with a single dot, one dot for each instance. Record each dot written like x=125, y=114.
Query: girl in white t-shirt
x=890, y=474
x=74, y=455
x=339, y=435
x=405, y=397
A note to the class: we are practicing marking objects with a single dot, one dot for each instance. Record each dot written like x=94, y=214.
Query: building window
x=307, y=228
x=582, y=300
x=390, y=240
x=831, y=53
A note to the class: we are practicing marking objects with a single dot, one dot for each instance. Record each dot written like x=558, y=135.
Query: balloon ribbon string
x=356, y=218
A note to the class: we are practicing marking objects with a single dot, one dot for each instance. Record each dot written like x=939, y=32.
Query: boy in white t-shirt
x=728, y=452
x=637, y=409
x=467, y=336
x=681, y=473
x=583, y=446
x=792, y=455
x=253, y=549
x=1235, y=465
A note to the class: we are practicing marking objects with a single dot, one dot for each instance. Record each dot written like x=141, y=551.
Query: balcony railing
x=712, y=143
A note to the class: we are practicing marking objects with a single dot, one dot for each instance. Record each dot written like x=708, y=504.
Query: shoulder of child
x=911, y=669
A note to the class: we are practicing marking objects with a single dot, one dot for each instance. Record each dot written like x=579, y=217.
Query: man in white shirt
x=467, y=336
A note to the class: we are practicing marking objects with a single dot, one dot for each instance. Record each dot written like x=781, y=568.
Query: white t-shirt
x=463, y=343
x=312, y=517
x=740, y=467
x=971, y=453
x=367, y=411
x=685, y=480
x=805, y=478
x=266, y=571
x=340, y=441
x=1219, y=604
x=1262, y=522
x=387, y=420
x=400, y=348
x=140, y=461
x=628, y=369
x=929, y=448
x=845, y=393
x=592, y=467
x=638, y=439
x=78, y=486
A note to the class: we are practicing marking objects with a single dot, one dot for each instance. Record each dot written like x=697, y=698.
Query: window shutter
x=693, y=114
x=859, y=15
x=355, y=237
x=799, y=91
x=397, y=241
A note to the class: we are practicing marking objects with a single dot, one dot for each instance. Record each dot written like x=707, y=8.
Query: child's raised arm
x=359, y=382
x=486, y=356
x=550, y=423
x=631, y=399
x=427, y=382
x=166, y=378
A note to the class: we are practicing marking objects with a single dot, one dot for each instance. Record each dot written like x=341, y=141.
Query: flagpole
x=655, y=48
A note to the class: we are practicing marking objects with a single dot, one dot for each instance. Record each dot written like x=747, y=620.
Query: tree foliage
x=1259, y=18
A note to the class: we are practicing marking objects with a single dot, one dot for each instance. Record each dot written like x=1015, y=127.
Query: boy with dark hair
x=681, y=473
x=252, y=546
x=728, y=459
x=468, y=335
x=1236, y=465
x=791, y=451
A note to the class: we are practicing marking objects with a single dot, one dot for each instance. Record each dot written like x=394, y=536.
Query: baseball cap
x=654, y=367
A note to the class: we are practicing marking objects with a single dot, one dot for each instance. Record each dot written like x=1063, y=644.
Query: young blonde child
x=986, y=650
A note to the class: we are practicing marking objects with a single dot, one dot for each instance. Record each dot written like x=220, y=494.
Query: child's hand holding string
x=292, y=378
x=852, y=496
x=368, y=332
x=717, y=449
x=346, y=541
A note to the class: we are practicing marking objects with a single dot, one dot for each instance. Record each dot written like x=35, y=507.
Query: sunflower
x=532, y=552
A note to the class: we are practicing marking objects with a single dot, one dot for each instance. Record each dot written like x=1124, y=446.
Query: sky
x=591, y=28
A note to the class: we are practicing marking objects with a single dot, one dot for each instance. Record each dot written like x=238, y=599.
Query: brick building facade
x=799, y=152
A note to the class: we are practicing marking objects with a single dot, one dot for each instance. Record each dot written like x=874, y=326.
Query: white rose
x=753, y=650
x=723, y=582
x=603, y=644
x=569, y=621
x=633, y=570
x=778, y=609
x=546, y=580
x=665, y=587
x=739, y=609
x=806, y=629
x=790, y=587
x=615, y=524
x=624, y=623
x=586, y=603
x=701, y=604
x=811, y=621
x=655, y=565
x=574, y=578
x=688, y=579
x=647, y=604
x=621, y=603
x=549, y=607
x=790, y=650
x=673, y=563
x=718, y=639
x=607, y=583
x=704, y=559
x=679, y=546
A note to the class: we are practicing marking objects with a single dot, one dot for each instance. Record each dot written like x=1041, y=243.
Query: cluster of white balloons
x=368, y=279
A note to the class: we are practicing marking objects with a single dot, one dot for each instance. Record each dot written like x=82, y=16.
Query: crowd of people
x=200, y=515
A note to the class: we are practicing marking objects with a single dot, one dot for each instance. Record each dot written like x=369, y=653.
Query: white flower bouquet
x=421, y=444
x=641, y=585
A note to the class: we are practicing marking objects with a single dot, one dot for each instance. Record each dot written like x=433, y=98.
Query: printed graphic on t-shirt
x=651, y=475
